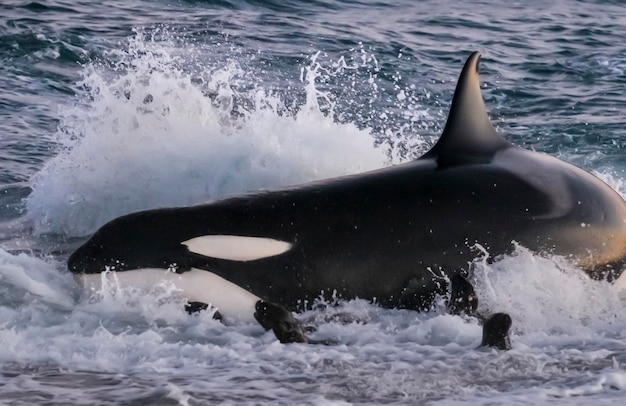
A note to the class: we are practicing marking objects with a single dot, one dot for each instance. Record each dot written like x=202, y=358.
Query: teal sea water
x=115, y=106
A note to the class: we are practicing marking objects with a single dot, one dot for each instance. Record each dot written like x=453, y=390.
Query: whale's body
x=386, y=235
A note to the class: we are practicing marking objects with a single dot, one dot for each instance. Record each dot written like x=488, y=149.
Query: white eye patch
x=236, y=247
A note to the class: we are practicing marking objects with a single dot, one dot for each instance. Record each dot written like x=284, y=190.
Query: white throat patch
x=196, y=285
x=236, y=247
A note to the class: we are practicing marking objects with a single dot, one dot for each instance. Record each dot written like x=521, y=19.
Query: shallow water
x=111, y=107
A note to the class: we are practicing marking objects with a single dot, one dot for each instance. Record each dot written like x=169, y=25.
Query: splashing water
x=151, y=135
x=557, y=297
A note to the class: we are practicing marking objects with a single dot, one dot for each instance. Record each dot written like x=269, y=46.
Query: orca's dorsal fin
x=468, y=136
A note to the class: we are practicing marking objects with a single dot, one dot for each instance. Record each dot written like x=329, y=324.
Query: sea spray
x=148, y=134
x=545, y=294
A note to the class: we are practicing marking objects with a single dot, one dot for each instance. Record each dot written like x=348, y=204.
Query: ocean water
x=115, y=106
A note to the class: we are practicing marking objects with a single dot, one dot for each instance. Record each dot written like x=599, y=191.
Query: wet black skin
x=380, y=236
x=496, y=332
x=389, y=235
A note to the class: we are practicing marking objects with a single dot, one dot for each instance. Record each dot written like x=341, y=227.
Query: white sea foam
x=151, y=135
x=613, y=181
x=547, y=295
x=567, y=342
x=31, y=278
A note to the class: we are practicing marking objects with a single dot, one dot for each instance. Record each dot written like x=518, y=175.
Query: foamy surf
x=149, y=134
x=380, y=353
x=26, y=278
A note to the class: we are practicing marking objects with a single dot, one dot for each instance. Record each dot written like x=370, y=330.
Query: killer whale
x=388, y=235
